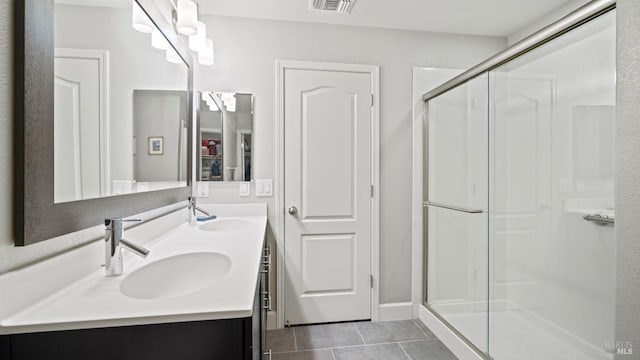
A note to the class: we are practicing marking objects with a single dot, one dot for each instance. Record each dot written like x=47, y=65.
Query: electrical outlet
x=245, y=189
x=202, y=189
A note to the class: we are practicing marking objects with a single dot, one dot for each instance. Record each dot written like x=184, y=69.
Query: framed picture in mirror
x=156, y=145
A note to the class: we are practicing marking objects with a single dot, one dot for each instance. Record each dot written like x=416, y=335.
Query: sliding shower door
x=456, y=209
x=519, y=202
x=552, y=273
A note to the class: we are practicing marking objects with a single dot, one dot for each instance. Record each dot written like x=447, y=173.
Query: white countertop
x=96, y=300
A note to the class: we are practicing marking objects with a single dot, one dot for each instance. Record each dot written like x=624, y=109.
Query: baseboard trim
x=387, y=312
x=457, y=346
x=396, y=311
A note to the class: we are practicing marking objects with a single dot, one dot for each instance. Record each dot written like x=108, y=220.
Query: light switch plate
x=264, y=187
x=142, y=186
x=202, y=189
x=245, y=189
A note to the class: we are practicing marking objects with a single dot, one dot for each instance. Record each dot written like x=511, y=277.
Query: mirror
x=75, y=162
x=225, y=136
x=118, y=126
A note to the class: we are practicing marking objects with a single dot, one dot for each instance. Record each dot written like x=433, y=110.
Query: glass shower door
x=519, y=198
x=456, y=209
x=552, y=272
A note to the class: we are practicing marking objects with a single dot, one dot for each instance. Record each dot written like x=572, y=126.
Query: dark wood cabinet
x=228, y=339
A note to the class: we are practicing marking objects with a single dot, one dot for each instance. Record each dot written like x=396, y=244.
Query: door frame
x=374, y=72
x=102, y=56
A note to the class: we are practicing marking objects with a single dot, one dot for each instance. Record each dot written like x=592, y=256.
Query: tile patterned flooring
x=390, y=340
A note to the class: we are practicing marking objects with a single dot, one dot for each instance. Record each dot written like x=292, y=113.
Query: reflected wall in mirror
x=225, y=135
x=113, y=89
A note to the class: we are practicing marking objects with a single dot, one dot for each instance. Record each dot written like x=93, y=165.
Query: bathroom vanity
x=200, y=294
x=238, y=338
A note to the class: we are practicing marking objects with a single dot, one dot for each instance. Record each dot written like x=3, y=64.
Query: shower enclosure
x=518, y=196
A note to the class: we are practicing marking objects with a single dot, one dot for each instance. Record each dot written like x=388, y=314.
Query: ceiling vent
x=341, y=6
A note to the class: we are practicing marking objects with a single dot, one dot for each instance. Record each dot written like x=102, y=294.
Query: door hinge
x=371, y=100
x=371, y=190
x=371, y=281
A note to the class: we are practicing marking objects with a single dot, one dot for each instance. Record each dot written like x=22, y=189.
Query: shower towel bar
x=454, y=208
x=600, y=219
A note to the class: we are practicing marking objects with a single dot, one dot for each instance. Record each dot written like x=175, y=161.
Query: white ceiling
x=479, y=17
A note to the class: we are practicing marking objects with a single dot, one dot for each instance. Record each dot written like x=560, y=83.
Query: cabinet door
x=198, y=340
x=256, y=329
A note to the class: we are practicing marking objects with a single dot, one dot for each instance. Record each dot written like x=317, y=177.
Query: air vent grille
x=341, y=6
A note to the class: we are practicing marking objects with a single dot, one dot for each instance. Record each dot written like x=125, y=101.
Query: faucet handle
x=108, y=222
x=134, y=248
x=132, y=220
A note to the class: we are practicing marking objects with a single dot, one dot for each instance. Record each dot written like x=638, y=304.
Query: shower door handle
x=451, y=207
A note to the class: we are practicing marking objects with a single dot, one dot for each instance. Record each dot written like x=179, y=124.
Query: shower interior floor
x=520, y=334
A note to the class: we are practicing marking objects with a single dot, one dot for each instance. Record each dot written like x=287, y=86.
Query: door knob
x=293, y=210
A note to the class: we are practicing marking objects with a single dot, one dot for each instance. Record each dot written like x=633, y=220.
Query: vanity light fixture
x=173, y=57
x=185, y=20
x=198, y=41
x=207, y=97
x=187, y=17
x=229, y=100
x=139, y=19
x=205, y=57
x=158, y=40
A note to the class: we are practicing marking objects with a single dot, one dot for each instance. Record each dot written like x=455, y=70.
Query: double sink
x=197, y=272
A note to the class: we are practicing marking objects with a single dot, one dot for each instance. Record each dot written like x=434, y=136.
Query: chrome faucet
x=113, y=244
x=193, y=208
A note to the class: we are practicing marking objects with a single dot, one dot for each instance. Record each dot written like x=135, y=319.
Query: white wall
x=545, y=20
x=157, y=114
x=246, y=51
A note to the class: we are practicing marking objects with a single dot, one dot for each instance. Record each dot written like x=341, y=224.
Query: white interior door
x=521, y=196
x=327, y=145
x=79, y=96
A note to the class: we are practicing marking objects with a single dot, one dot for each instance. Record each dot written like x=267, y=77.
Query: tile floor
x=390, y=340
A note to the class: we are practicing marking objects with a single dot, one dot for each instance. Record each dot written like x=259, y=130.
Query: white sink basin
x=225, y=225
x=175, y=275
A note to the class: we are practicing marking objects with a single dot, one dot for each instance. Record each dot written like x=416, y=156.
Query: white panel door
x=327, y=117
x=77, y=94
x=521, y=172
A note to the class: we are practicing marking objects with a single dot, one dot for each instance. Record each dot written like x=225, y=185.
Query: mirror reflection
x=225, y=136
x=121, y=104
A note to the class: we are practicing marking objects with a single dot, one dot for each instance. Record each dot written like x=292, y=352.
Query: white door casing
x=330, y=245
x=82, y=136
